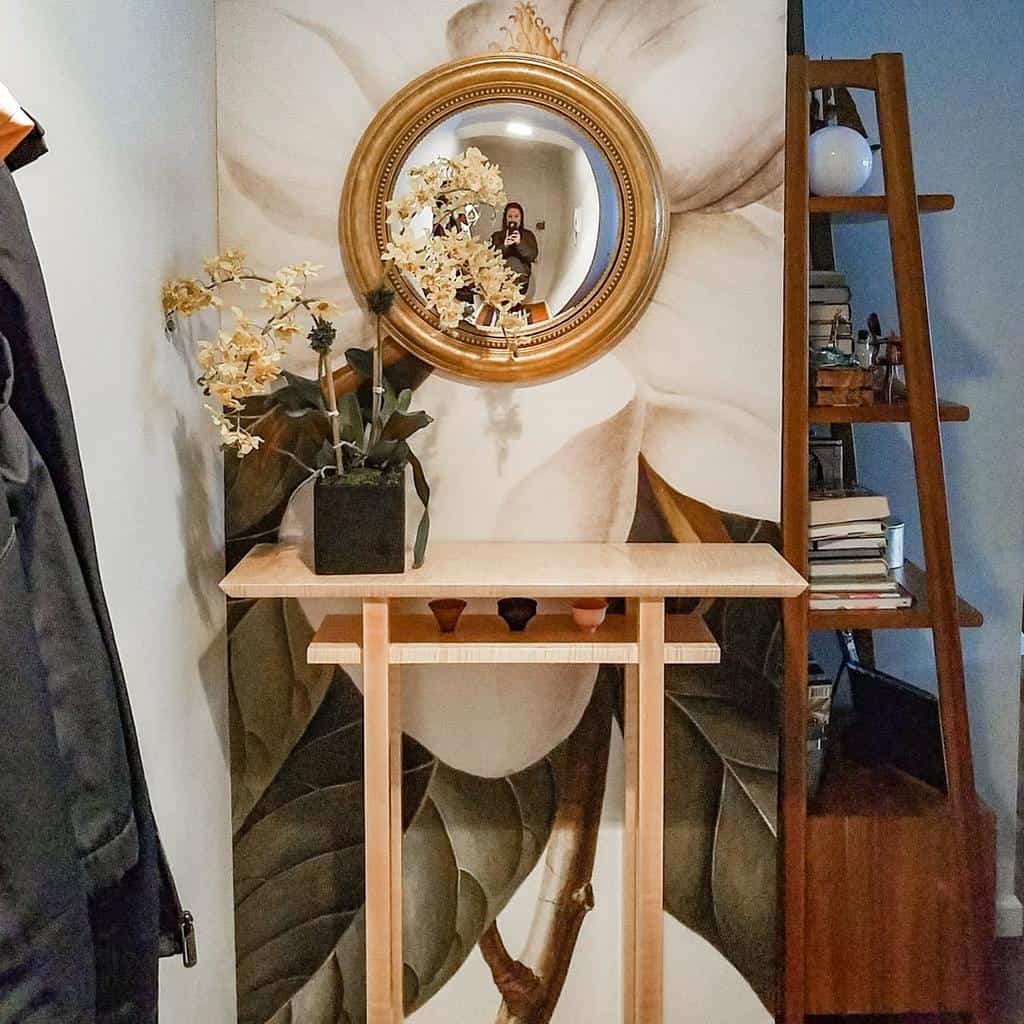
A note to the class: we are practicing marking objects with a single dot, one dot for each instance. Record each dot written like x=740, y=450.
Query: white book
x=856, y=567
x=855, y=584
x=825, y=312
x=860, y=528
x=839, y=294
x=847, y=505
x=859, y=602
x=848, y=543
x=826, y=279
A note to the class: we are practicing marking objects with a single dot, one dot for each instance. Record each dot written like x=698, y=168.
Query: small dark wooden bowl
x=517, y=612
x=447, y=611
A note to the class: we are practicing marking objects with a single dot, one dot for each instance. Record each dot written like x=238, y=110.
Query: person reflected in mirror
x=516, y=243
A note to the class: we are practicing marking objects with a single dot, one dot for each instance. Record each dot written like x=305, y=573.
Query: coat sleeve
x=527, y=247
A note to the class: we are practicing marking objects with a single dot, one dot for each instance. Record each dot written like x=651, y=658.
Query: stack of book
x=829, y=296
x=847, y=552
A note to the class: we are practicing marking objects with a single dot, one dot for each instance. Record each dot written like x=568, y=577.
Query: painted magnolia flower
x=695, y=388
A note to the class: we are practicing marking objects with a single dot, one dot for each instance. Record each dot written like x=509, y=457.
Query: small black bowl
x=517, y=612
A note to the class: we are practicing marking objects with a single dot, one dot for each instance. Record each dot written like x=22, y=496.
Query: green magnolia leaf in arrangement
x=408, y=373
x=361, y=361
x=325, y=457
x=389, y=402
x=401, y=425
x=300, y=395
x=351, y=418
x=419, y=479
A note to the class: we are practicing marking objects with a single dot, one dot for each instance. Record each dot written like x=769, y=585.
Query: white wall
x=964, y=88
x=581, y=194
x=126, y=198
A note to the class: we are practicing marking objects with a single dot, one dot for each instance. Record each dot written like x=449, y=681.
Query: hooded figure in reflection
x=516, y=243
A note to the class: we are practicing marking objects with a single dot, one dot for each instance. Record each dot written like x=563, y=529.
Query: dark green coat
x=87, y=903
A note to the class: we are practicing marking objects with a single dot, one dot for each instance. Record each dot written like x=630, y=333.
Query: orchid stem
x=327, y=386
x=378, y=388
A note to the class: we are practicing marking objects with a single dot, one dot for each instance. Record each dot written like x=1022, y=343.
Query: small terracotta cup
x=588, y=613
x=517, y=612
x=447, y=611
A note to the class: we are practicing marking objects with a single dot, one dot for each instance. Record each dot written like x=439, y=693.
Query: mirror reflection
x=559, y=228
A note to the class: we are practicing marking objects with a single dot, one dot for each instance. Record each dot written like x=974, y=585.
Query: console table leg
x=644, y=737
x=382, y=818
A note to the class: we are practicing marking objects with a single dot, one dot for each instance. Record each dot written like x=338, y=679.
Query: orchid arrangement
x=244, y=361
x=448, y=262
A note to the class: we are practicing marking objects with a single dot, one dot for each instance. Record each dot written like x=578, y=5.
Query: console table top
x=533, y=569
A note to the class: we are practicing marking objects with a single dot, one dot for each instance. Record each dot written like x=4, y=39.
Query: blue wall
x=965, y=79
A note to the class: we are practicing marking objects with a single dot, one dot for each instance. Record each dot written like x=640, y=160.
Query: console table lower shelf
x=643, y=640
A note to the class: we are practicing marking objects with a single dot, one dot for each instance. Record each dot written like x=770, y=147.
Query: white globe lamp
x=839, y=161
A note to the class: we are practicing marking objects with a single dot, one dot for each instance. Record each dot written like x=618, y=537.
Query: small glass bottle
x=879, y=367
x=895, y=376
x=862, y=350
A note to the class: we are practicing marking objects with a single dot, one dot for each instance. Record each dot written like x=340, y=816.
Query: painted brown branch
x=688, y=521
x=566, y=894
x=520, y=988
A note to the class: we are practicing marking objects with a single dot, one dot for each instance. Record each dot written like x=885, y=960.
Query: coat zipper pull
x=188, y=940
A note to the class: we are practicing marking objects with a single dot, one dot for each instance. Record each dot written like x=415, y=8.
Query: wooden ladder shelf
x=887, y=884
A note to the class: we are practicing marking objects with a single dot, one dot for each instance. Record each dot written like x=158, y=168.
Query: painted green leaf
x=299, y=854
x=721, y=786
x=274, y=694
x=468, y=844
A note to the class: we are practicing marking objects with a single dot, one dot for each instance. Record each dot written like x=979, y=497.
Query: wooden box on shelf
x=842, y=385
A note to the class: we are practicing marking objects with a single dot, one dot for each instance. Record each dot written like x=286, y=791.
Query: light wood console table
x=644, y=640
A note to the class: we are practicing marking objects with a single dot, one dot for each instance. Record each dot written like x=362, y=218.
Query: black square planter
x=359, y=523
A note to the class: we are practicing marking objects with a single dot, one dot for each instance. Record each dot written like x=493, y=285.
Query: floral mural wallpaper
x=512, y=788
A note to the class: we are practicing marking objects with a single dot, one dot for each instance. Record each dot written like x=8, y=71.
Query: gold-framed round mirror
x=584, y=233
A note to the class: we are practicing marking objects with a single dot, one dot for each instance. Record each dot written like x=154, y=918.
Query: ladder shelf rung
x=883, y=412
x=874, y=207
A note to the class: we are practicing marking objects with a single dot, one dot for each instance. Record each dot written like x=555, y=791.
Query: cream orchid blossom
x=246, y=360
x=696, y=386
x=449, y=260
